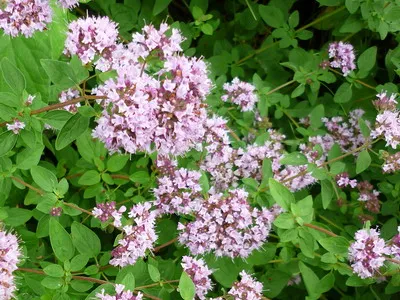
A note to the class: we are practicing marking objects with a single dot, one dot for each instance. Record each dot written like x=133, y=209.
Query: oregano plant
x=199, y=149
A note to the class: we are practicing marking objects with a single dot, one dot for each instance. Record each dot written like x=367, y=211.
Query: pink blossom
x=343, y=57
x=385, y=102
x=392, y=162
x=343, y=180
x=199, y=273
x=107, y=211
x=10, y=255
x=121, y=294
x=367, y=253
x=68, y=3
x=227, y=226
x=395, y=245
x=387, y=125
x=240, y=93
x=247, y=288
x=138, y=238
x=92, y=37
x=69, y=95
x=16, y=126
x=25, y=17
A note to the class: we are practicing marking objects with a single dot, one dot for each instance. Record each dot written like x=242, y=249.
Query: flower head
x=367, y=253
x=10, y=255
x=199, y=273
x=343, y=57
x=385, y=102
x=240, y=93
x=68, y=3
x=91, y=37
x=69, y=95
x=227, y=226
x=25, y=17
x=16, y=126
x=247, y=288
x=387, y=125
x=121, y=294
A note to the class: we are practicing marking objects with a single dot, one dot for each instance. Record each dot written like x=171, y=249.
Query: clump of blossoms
x=369, y=196
x=387, y=123
x=107, y=211
x=68, y=3
x=138, y=238
x=247, y=288
x=178, y=190
x=90, y=38
x=199, y=273
x=121, y=294
x=69, y=95
x=343, y=180
x=25, y=17
x=241, y=93
x=161, y=111
x=10, y=255
x=343, y=57
x=392, y=162
x=367, y=253
x=385, y=102
x=227, y=226
x=16, y=126
x=395, y=245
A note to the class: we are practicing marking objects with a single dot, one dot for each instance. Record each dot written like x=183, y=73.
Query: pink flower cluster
x=107, y=211
x=121, y=294
x=10, y=255
x=240, y=93
x=227, y=226
x=161, y=111
x=69, y=95
x=247, y=288
x=137, y=238
x=178, y=191
x=367, y=253
x=392, y=162
x=68, y=3
x=92, y=37
x=346, y=134
x=343, y=57
x=387, y=123
x=199, y=273
x=25, y=17
x=395, y=244
x=16, y=126
x=343, y=180
x=369, y=196
x=385, y=102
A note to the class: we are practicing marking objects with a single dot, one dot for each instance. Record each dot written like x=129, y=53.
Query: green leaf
x=63, y=74
x=28, y=157
x=44, y=178
x=81, y=286
x=72, y=129
x=271, y=15
x=56, y=118
x=52, y=283
x=13, y=76
x=117, y=162
x=285, y=221
x=129, y=281
x=160, y=5
x=352, y=5
x=79, y=262
x=282, y=196
x=316, y=115
x=7, y=142
x=343, y=93
x=153, y=272
x=207, y=29
x=311, y=280
x=306, y=243
x=18, y=216
x=294, y=158
x=90, y=177
x=366, y=61
x=335, y=245
x=54, y=270
x=85, y=240
x=140, y=177
x=11, y=100
x=61, y=241
x=327, y=193
x=363, y=161
x=186, y=287
x=365, y=130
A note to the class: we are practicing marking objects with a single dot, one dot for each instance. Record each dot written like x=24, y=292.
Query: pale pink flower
x=199, y=273
x=240, y=93
x=343, y=57
x=16, y=126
